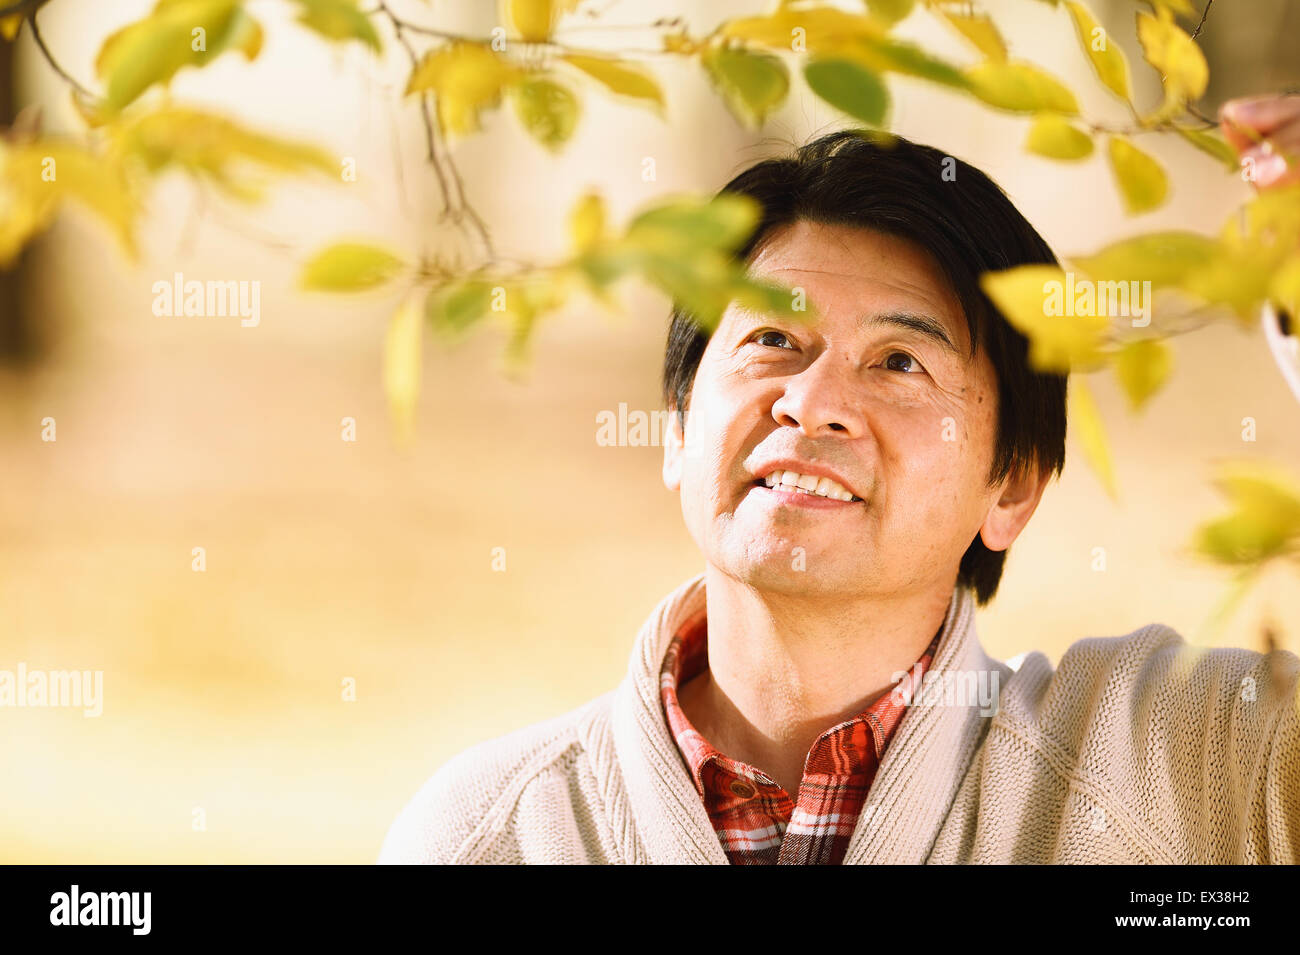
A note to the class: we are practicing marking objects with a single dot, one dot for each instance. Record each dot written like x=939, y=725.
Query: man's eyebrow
x=930, y=327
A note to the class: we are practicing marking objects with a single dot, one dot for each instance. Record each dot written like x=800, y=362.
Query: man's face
x=869, y=392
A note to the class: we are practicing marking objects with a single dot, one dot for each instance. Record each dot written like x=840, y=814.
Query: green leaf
x=1142, y=182
x=1088, y=429
x=886, y=54
x=1021, y=88
x=547, y=110
x=349, y=267
x=751, y=84
x=1032, y=298
x=625, y=79
x=402, y=362
x=1142, y=368
x=850, y=88
x=1161, y=258
x=680, y=227
x=452, y=309
x=890, y=11
x=1054, y=137
x=1107, y=58
x=152, y=50
x=1213, y=145
x=338, y=20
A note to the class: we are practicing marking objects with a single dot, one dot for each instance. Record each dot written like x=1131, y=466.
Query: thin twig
x=54, y=64
x=1204, y=13
x=461, y=208
x=399, y=27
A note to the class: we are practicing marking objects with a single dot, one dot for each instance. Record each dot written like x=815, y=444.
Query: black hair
x=958, y=215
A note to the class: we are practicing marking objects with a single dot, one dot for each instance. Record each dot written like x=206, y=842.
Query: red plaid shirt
x=756, y=820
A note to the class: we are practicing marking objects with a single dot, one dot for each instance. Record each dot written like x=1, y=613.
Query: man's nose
x=824, y=399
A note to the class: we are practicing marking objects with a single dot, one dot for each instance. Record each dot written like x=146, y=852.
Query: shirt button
x=743, y=790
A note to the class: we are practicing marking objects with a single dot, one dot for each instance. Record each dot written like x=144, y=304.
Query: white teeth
x=808, y=484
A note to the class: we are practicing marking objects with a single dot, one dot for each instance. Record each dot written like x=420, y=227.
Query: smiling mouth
x=825, y=488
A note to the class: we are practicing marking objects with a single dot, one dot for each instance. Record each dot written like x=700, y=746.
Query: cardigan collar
x=914, y=786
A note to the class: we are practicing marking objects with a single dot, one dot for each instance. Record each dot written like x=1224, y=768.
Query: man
x=853, y=483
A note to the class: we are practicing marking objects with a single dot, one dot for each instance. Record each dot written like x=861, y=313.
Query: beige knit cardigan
x=1136, y=749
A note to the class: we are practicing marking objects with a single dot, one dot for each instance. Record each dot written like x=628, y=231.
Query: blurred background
x=329, y=560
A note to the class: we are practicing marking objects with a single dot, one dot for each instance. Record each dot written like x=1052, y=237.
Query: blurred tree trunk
x=17, y=344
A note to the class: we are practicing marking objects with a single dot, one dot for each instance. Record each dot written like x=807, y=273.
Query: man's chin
x=792, y=572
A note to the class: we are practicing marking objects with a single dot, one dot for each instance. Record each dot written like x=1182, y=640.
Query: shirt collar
x=843, y=750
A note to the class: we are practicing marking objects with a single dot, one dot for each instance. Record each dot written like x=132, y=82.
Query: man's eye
x=902, y=361
x=769, y=334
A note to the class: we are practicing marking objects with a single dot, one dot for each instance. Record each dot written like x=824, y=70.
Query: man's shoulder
x=1153, y=679
x=473, y=793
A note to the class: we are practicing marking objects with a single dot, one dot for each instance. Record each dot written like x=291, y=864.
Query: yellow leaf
x=1161, y=258
x=1142, y=182
x=338, y=20
x=1176, y=55
x=1020, y=87
x=176, y=34
x=1054, y=137
x=981, y=32
x=1091, y=434
x=1142, y=367
x=465, y=78
x=819, y=29
x=10, y=25
x=349, y=267
x=624, y=79
x=44, y=173
x=210, y=146
x=402, y=362
x=1285, y=287
x=1265, y=520
x=1237, y=279
x=26, y=208
x=587, y=222
x=534, y=20
x=1038, y=301
x=1107, y=57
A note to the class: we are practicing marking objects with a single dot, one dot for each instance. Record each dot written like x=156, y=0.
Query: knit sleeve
x=1281, y=785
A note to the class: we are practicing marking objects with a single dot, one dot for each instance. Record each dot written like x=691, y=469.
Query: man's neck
x=783, y=670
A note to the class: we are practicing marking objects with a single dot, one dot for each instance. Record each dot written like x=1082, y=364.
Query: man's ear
x=1016, y=503
x=674, y=443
